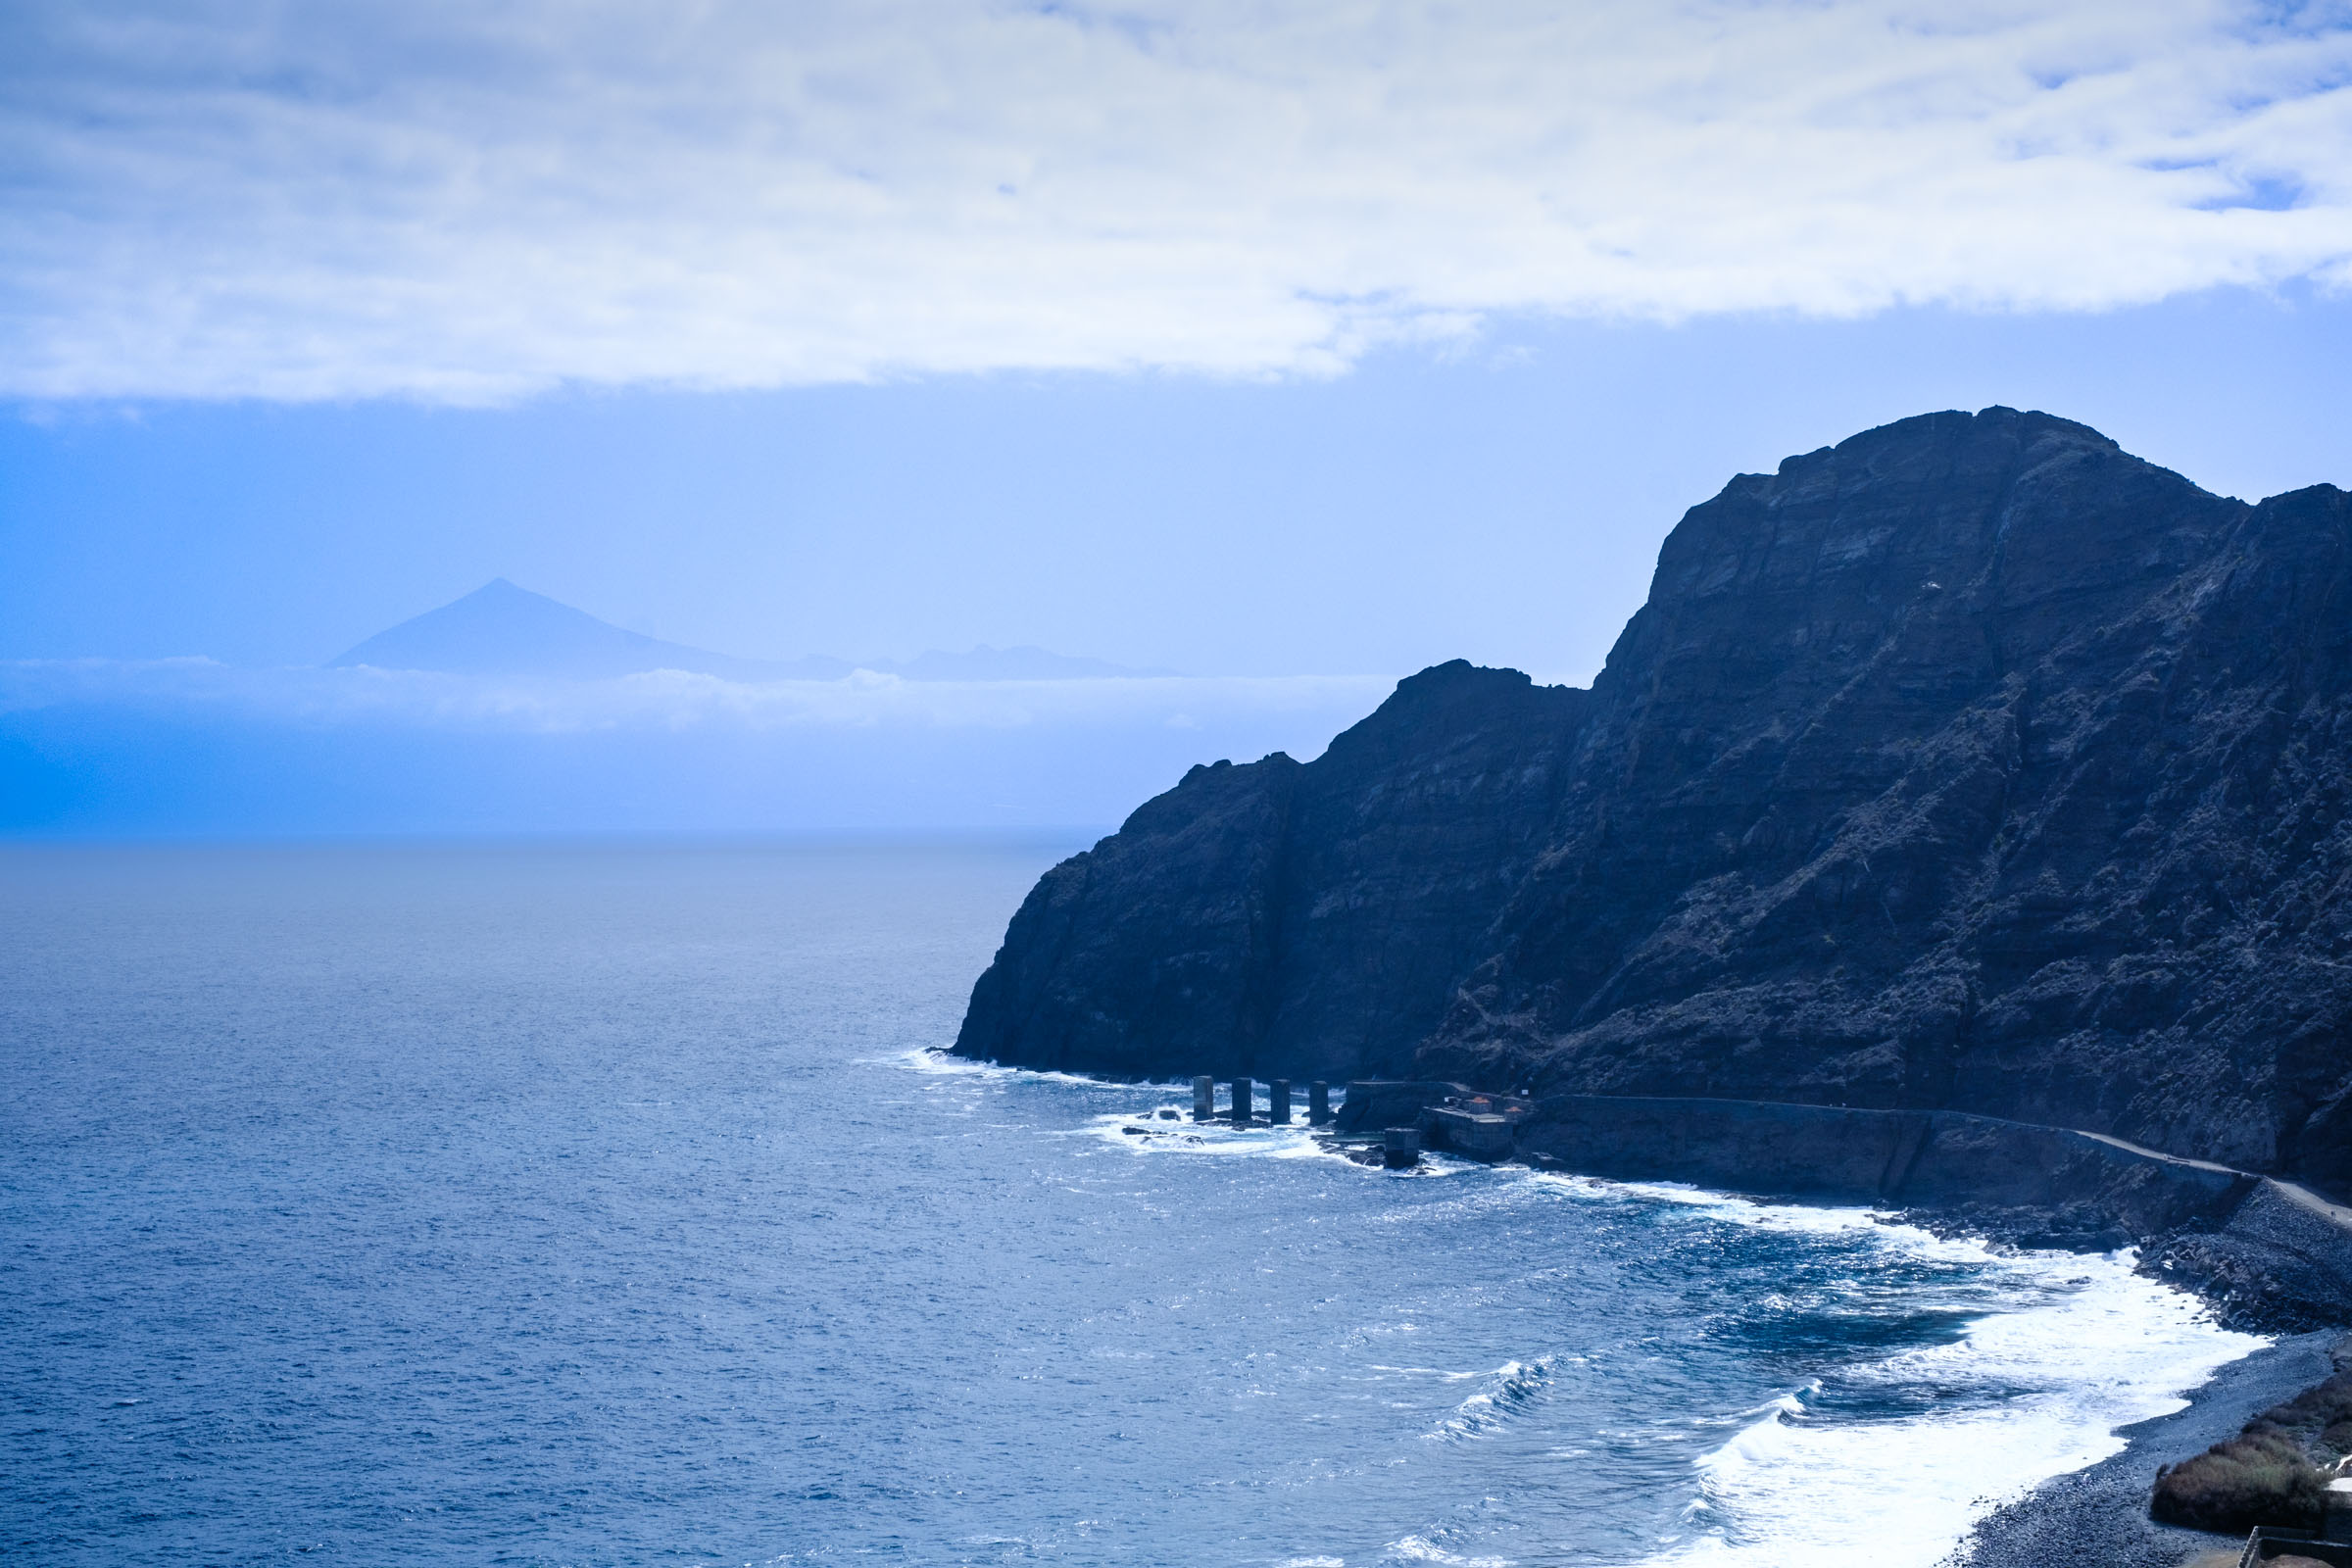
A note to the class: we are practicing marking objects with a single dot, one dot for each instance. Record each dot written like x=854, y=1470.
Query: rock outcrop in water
x=1971, y=764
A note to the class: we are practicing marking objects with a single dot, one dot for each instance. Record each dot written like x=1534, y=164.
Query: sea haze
x=546, y=1203
x=508, y=712
x=188, y=748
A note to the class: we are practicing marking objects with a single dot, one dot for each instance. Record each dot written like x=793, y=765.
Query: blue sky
x=1242, y=339
x=1503, y=502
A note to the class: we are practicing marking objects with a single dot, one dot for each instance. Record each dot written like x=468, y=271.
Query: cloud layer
x=204, y=690
x=188, y=746
x=473, y=202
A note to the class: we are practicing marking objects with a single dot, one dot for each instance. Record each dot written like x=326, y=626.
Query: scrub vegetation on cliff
x=2273, y=1473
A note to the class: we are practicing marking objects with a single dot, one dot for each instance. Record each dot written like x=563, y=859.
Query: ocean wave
x=938, y=1064
x=1420, y=1548
x=1258, y=1141
x=2023, y=1395
x=1888, y=1460
x=1185, y=1136
x=1515, y=1386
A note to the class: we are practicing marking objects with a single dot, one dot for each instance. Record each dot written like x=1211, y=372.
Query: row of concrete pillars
x=1244, y=1106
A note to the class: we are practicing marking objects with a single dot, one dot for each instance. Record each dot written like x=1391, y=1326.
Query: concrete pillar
x=2336, y=1523
x=1245, y=1094
x=1205, y=1099
x=1278, y=1102
x=1401, y=1147
x=1318, y=1102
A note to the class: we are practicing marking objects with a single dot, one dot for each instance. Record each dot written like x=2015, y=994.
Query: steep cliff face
x=1971, y=764
x=1275, y=918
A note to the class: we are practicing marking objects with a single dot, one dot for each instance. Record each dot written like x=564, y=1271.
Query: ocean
x=610, y=1203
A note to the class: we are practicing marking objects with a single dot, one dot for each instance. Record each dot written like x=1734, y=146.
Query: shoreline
x=2095, y=1517
x=2268, y=1255
x=2099, y=1517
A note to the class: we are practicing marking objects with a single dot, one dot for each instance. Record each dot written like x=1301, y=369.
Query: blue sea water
x=547, y=1204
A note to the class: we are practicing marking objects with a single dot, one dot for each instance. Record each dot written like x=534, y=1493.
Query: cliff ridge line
x=1971, y=764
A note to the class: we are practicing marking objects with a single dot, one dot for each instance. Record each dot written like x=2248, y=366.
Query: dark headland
x=1960, y=826
x=1962, y=790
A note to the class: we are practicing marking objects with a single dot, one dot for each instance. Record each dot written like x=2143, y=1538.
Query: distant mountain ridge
x=500, y=629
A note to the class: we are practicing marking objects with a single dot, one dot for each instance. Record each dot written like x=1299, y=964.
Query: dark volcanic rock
x=2277, y=1266
x=1311, y=921
x=1970, y=765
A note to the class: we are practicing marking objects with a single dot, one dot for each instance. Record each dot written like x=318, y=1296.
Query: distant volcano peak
x=504, y=629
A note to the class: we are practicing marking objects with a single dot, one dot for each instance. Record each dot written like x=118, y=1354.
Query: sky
x=1505, y=506
x=1248, y=340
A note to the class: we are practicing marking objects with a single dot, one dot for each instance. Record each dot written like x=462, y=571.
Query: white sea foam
x=2031, y=1390
x=1419, y=1548
x=1219, y=1138
x=1258, y=1142
x=1805, y=1218
x=945, y=1064
x=1146, y=1102
x=1511, y=1387
x=2027, y=1393
x=2023, y=1396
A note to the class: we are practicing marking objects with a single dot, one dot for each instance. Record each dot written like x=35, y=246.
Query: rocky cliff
x=1971, y=764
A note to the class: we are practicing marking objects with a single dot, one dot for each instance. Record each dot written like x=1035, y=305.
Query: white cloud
x=203, y=690
x=471, y=202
